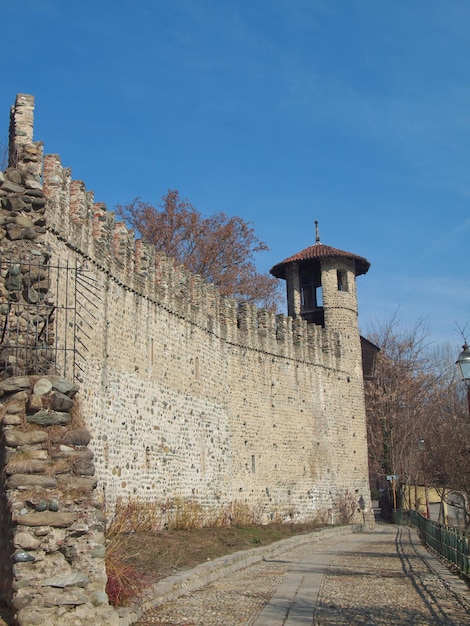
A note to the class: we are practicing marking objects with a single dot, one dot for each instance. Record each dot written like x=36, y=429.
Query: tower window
x=342, y=280
x=310, y=289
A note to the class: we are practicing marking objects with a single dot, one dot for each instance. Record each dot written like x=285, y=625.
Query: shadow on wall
x=6, y=545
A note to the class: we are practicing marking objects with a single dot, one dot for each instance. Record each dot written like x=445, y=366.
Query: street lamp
x=464, y=366
x=422, y=448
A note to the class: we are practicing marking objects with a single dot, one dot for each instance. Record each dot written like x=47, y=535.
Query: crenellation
x=314, y=342
x=179, y=288
x=327, y=347
x=160, y=291
x=228, y=318
x=114, y=245
x=78, y=201
x=299, y=330
x=246, y=320
x=210, y=308
x=125, y=251
x=263, y=322
x=281, y=327
x=196, y=290
x=144, y=260
x=168, y=279
x=56, y=188
x=81, y=216
x=101, y=219
x=266, y=329
x=198, y=301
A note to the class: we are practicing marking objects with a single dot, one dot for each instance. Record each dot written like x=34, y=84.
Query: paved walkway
x=378, y=578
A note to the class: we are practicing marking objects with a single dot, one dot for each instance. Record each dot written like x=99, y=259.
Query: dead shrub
x=124, y=581
x=346, y=505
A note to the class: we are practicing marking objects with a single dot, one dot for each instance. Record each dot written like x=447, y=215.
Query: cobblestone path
x=381, y=578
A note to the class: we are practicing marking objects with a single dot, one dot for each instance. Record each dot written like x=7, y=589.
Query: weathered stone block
x=14, y=407
x=15, y=384
x=21, y=465
x=47, y=518
x=16, y=481
x=67, y=598
x=12, y=187
x=32, y=184
x=79, y=483
x=23, y=598
x=66, y=452
x=83, y=467
x=42, y=386
x=16, y=438
x=11, y=420
x=25, y=540
x=34, y=403
x=49, y=418
x=77, y=579
x=60, y=402
x=24, y=221
x=15, y=204
x=37, y=616
x=64, y=386
x=77, y=437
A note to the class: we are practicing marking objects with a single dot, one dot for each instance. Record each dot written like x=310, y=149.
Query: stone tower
x=321, y=289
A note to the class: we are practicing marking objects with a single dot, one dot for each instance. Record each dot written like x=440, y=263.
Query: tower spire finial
x=317, y=233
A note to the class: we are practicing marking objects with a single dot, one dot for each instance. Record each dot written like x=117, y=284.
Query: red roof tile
x=318, y=252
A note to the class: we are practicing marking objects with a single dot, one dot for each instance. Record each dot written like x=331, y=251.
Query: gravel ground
x=233, y=600
x=391, y=580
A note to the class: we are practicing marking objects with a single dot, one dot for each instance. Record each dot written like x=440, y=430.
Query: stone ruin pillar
x=52, y=544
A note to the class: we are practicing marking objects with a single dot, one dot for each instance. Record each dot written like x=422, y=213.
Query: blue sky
x=352, y=112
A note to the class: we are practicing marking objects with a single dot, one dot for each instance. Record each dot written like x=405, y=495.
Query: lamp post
x=464, y=366
x=422, y=448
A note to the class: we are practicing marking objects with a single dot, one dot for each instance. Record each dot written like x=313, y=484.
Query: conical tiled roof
x=317, y=252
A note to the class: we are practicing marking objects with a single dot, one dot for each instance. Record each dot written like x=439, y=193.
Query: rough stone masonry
x=52, y=543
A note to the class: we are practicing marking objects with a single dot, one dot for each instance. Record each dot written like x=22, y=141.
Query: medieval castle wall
x=188, y=393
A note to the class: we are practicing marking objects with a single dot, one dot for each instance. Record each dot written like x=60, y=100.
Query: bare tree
x=448, y=449
x=397, y=401
x=417, y=396
x=219, y=248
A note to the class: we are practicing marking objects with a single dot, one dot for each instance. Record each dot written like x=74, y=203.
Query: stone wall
x=52, y=542
x=187, y=393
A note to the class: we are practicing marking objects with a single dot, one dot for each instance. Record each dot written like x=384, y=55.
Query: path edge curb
x=184, y=582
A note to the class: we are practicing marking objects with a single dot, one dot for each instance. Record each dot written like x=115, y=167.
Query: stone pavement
x=376, y=578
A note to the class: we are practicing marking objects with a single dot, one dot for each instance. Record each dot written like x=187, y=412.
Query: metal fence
x=453, y=544
x=46, y=313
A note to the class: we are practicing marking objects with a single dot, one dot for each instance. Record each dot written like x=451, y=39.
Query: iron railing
x=452, y=544
x=46, y=312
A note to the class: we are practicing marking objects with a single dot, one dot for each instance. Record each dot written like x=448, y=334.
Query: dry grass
x=142, y=558
x=124, y=580
x=148, y=542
